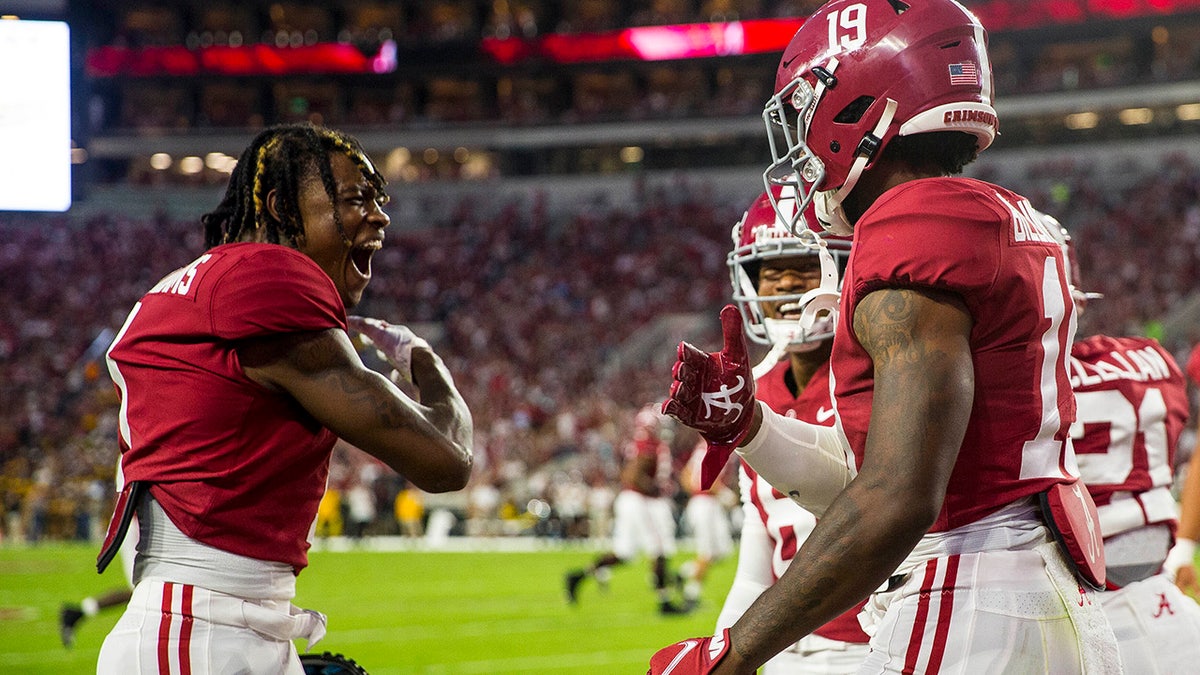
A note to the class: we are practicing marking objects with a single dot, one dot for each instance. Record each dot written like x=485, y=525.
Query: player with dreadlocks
x=236, y=375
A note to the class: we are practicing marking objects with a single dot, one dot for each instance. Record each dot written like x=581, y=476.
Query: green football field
x=395, y=612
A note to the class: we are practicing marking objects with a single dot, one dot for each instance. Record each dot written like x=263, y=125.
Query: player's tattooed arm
x=924, y=385
x=429, y=442
x=919, y=342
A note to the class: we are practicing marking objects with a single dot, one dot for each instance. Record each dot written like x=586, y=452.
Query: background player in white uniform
x=1133, y=405
x=643, y=518
x=707, y=516
x=771, y=270
x=949, y=369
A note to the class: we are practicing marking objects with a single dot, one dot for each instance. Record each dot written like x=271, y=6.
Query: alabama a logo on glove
x=722, y=399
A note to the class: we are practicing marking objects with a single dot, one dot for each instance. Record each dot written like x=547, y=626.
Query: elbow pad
x=808, y=462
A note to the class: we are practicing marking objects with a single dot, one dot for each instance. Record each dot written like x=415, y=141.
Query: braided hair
x=281, y=158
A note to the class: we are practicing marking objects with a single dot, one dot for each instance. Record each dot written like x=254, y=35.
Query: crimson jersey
x=652, y=459
x=983, y=244
x=1133, y=405
x=787, y=524
x=234, y=465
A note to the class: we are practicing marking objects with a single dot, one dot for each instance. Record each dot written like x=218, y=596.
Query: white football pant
x=179, y=628
x=709, y=522
x=1001, y=612
x=1157, y=627
x=642, y=524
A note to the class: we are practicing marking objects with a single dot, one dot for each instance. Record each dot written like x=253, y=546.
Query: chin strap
x=822, y=300
x=777, y=351
x=828, y=203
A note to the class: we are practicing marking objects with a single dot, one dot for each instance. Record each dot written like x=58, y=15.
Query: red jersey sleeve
x=274, y=290
x=893, y=246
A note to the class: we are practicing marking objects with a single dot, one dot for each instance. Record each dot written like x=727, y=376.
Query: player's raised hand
x=694, y=656
x=393, y=342
x=713, y=393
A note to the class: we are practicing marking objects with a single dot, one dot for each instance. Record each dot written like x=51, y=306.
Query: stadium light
x=160, y=161
x=1132, y=116
x=191, y=164
x=1188, y=112
x=1082, y=120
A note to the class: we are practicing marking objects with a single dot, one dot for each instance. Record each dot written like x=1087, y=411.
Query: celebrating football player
x=236, y=374
x=948, y=473
x=773, y=272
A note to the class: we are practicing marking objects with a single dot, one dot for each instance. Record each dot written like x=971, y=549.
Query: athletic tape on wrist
x=808, y=462
x=1182, y=553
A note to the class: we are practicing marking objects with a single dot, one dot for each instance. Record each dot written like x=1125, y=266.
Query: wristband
x=1182, y=553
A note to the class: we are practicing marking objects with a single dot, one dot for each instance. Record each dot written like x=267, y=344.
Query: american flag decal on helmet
x=964, y=73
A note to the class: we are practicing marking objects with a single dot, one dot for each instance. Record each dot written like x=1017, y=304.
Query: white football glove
x=393, y=342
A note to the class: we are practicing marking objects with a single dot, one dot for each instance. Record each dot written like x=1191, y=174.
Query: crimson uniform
x=988, y=548
x=773, y=529
x=236, y=471
x=1133, y=405
x=643, y=520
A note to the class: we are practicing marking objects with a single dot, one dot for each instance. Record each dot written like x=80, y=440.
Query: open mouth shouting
x=361, y=254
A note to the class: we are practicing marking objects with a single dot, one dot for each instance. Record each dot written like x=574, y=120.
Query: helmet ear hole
x=853, y=112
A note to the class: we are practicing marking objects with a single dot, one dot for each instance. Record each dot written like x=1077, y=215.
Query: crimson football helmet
x=860, y=72
x=1074, y=275
x=807, y=318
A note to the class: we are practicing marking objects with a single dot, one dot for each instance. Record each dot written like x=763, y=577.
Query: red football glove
x=696, y=656
x=714, y=394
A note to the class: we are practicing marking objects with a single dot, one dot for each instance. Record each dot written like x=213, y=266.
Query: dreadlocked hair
x=944, y=153
x=281, y=158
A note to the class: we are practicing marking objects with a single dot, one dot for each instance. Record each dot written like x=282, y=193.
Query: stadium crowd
x=533, y=315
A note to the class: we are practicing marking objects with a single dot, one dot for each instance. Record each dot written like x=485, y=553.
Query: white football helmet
x=804, y=319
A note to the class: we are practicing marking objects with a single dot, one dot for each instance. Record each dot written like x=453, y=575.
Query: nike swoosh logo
x=824, y=414
x=688, y=645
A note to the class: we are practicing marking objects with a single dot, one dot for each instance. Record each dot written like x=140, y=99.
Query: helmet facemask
x=794, y=166
x=764, y=235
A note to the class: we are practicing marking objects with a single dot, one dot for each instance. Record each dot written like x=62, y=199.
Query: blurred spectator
x=410, y=511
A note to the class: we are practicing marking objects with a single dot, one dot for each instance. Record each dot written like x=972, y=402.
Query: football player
x=236, y=375
x=707, y=516
x=773, y=273
x=1133, y=405
x=949, y=470
x=643, y=518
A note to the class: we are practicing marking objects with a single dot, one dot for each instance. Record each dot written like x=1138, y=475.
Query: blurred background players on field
x=707, y=521
x=643, y=514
